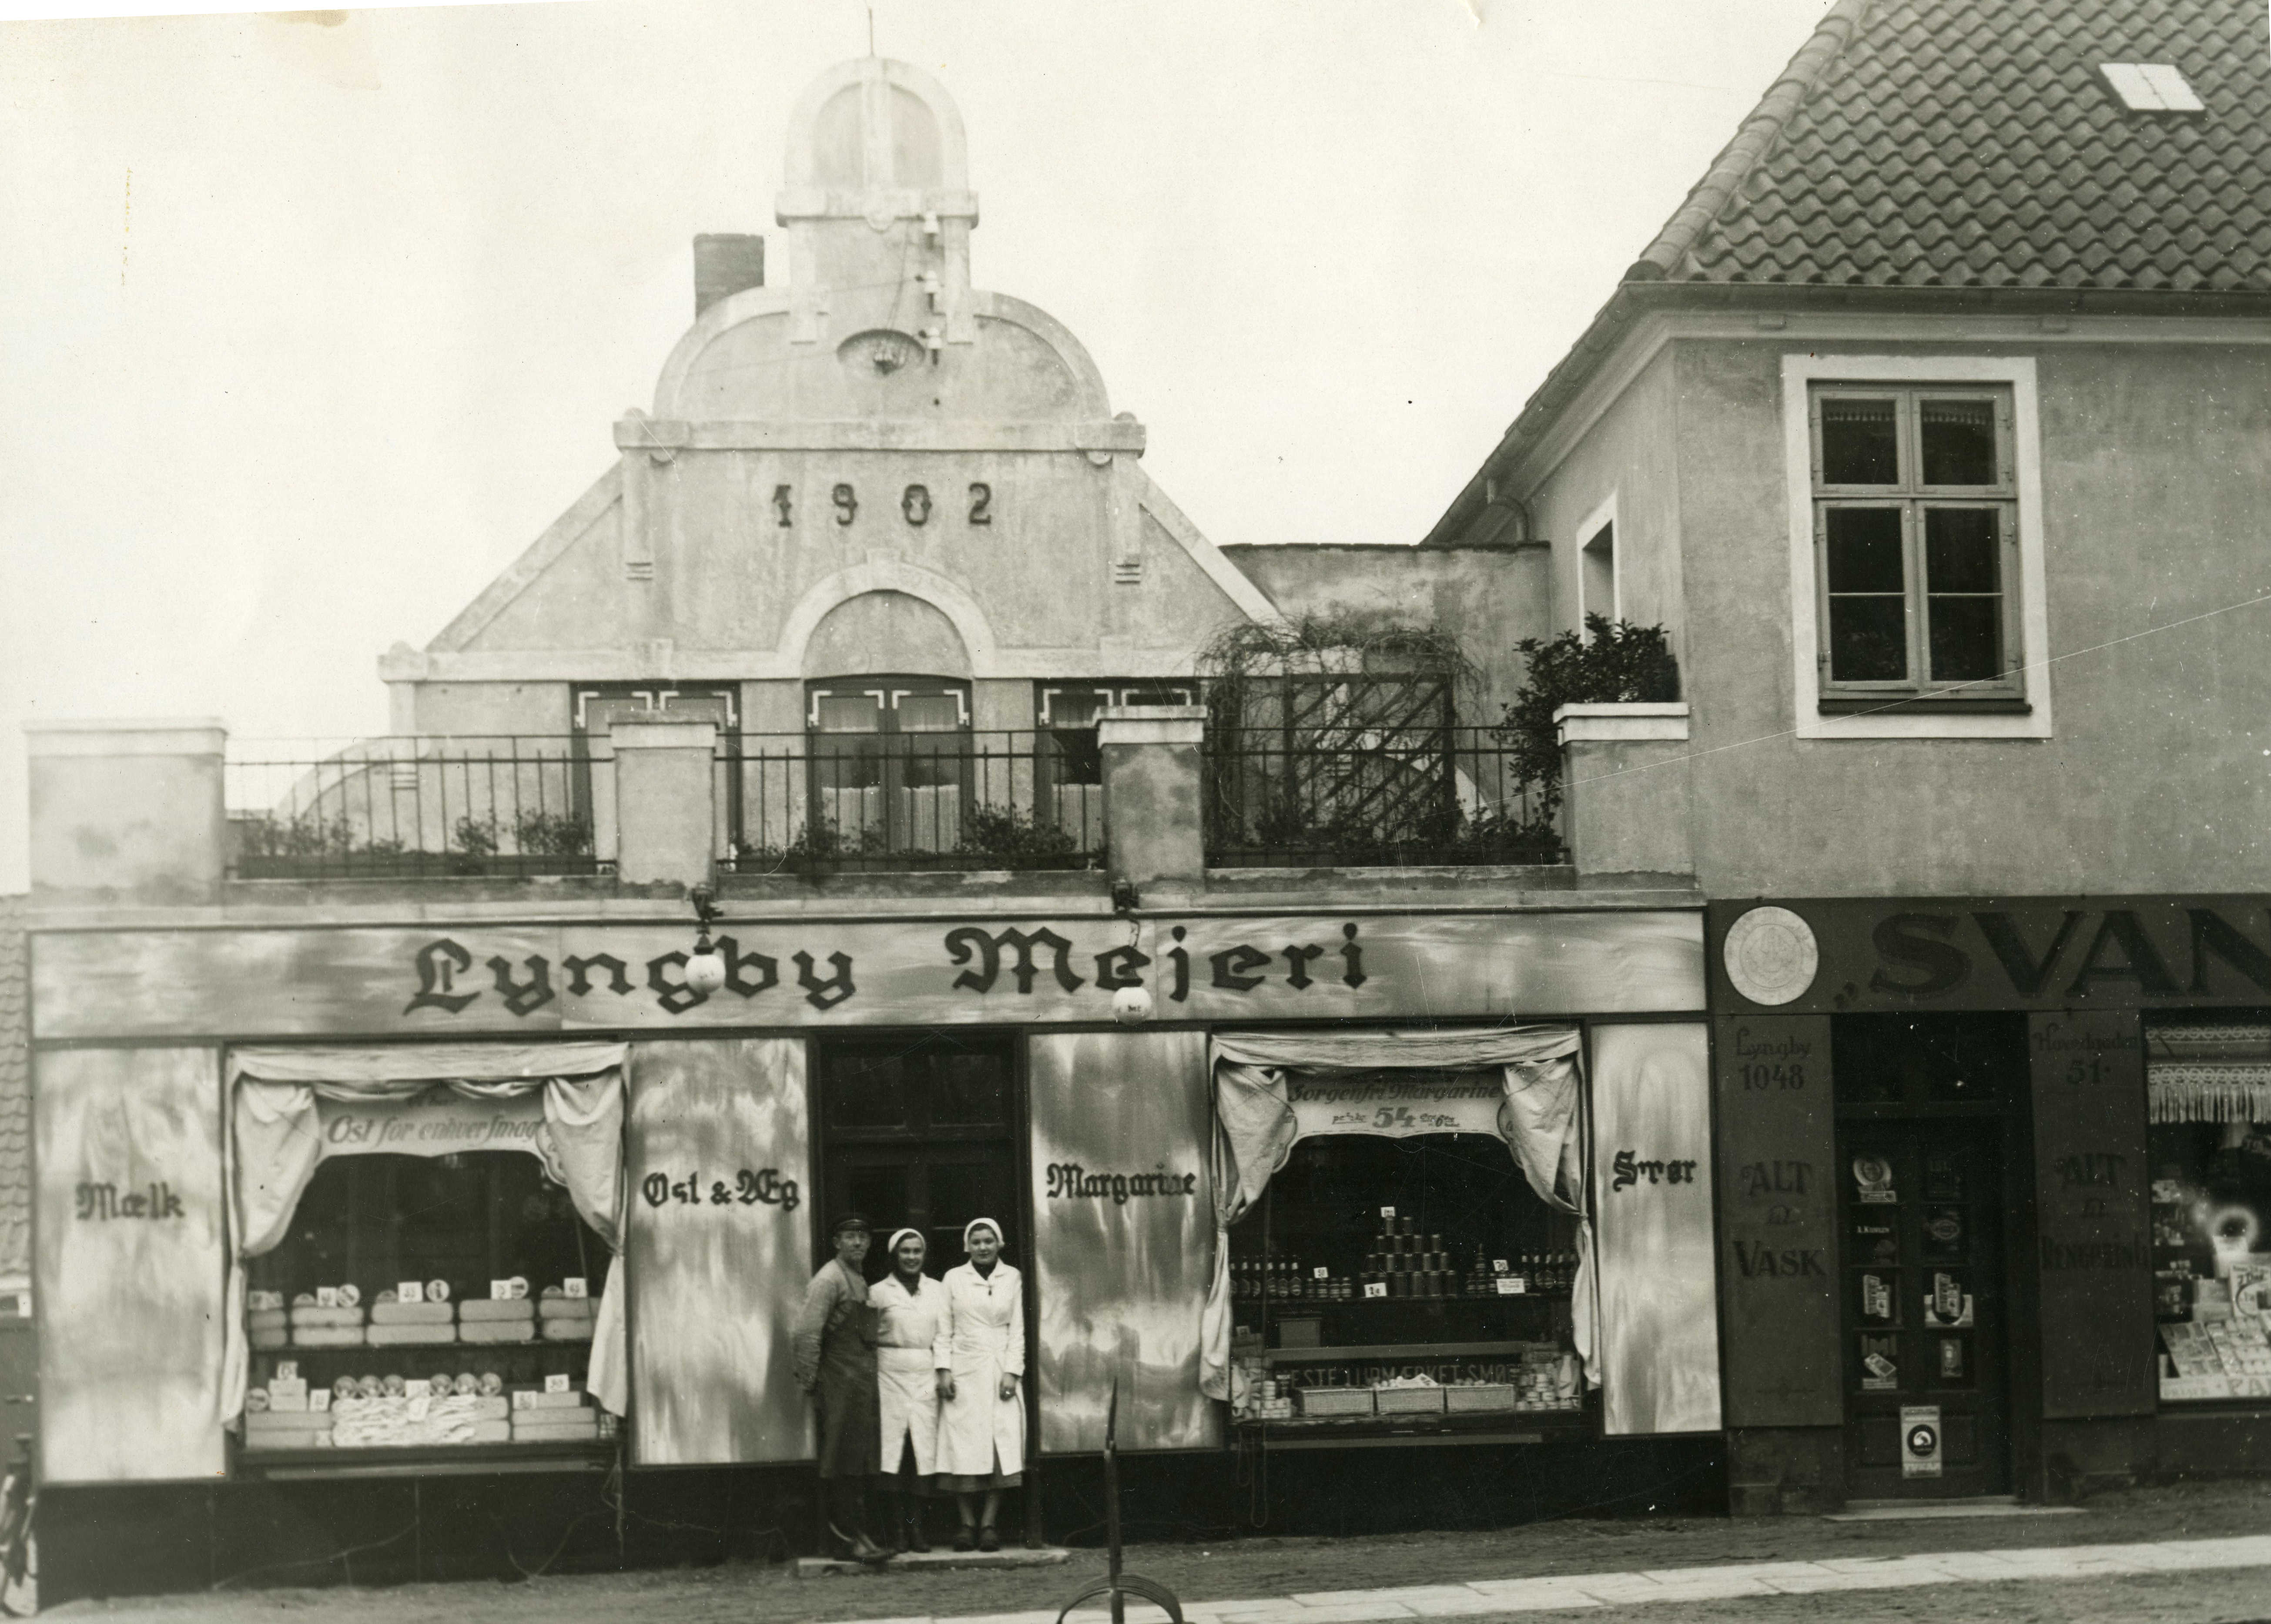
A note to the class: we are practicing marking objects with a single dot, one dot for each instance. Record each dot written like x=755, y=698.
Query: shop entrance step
x=928, y=1562
x=1925, y=1510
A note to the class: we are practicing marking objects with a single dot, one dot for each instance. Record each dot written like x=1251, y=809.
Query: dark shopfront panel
x=1859, y=1029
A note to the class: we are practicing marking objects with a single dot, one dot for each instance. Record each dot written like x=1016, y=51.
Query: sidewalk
x=1501, y=1598
x=2191, y=1553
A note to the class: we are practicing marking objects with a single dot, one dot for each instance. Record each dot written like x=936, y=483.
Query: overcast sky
x=315, y=320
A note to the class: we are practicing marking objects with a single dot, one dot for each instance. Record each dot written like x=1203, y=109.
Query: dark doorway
x=1923, y=1152
x=919, y=1131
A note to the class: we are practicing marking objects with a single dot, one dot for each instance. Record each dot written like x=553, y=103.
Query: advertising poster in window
x=130, y=1264
x=1660, y=1312
x=1123, y=1241
x=719, y=1250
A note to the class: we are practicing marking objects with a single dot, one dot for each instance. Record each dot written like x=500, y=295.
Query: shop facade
x=1991, y=1181
x=496, y=1199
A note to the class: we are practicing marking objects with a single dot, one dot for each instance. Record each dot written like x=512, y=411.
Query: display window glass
x=2209, y=1147
x=441, y=1302
x=1403, y=1282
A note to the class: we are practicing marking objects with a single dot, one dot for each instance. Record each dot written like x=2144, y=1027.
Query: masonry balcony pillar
x=1626, y=787
x=665, y=818
x=1153, y=806
x=128, y=808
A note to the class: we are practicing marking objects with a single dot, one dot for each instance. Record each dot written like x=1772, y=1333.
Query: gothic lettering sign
x=474, y=977
x=2002, y=953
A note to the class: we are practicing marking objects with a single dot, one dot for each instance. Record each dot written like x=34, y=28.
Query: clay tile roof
x=1926, y=152
x=15, y=1091
x=1923, y=143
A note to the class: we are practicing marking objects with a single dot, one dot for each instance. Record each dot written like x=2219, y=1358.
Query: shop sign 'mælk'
x=478, y=977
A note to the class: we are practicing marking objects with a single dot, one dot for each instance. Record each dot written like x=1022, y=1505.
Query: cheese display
x=336, y=1368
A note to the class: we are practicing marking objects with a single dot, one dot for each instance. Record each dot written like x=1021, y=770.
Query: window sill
x=1922, y=704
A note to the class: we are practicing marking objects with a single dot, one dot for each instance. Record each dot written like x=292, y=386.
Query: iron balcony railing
x=1358, y=795
x=418, y=809
x=820, y=802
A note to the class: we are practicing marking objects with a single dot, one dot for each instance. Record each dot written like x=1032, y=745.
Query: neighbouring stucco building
x=1936, y=428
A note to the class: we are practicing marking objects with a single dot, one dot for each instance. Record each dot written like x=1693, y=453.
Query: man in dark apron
x=835, y=1346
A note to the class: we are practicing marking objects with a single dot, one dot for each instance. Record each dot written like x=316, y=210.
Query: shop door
x=1926, y=1313
x=918, y=1133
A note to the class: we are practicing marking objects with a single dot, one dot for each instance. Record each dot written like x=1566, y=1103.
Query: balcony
x=418, y=809
x=1369, y=795
x=1356, y=793
x=814, y=804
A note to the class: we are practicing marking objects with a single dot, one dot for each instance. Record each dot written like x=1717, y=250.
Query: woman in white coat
x=908, y=1384
x=981, y=1356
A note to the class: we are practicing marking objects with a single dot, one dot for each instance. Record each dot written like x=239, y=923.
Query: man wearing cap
x=835, y=1347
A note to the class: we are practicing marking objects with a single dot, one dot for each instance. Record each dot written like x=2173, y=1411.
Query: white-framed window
x=1600, y=585
x=1916, y=549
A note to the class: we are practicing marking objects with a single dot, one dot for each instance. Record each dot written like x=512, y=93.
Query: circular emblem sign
x=1770, y=956
x=1924, y=1441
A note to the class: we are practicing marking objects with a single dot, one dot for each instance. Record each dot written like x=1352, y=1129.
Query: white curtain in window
x=2208, y=1071
x=1255, y=1130
x=274, y=1144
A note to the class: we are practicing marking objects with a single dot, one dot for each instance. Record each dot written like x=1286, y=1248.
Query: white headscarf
x=979, y=1223
x=891, y=1250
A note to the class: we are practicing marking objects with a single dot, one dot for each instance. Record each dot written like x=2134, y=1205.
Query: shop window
x=1930, y=1060
x=463, y=1275
x=2209, y=1148
x=1381, y=1280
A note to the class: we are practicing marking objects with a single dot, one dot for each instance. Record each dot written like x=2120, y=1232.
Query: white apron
x=984, y=1340
x=906, y=1375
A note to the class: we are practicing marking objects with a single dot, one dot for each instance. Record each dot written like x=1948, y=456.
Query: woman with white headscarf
x=908, y=1384
x=981, y=1356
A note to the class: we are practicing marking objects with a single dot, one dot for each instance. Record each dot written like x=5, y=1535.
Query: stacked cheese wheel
x=553, y=1418
x=565, y=1318
x=338, y=1324
x=396, y=1325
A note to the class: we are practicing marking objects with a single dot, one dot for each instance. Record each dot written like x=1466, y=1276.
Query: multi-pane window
x=1067, y=714
x=1916, y=543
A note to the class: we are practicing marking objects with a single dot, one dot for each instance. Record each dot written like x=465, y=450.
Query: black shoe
x=857, y=1546
x=966, y=1540
x=915, y=1540
x=988, y=1539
